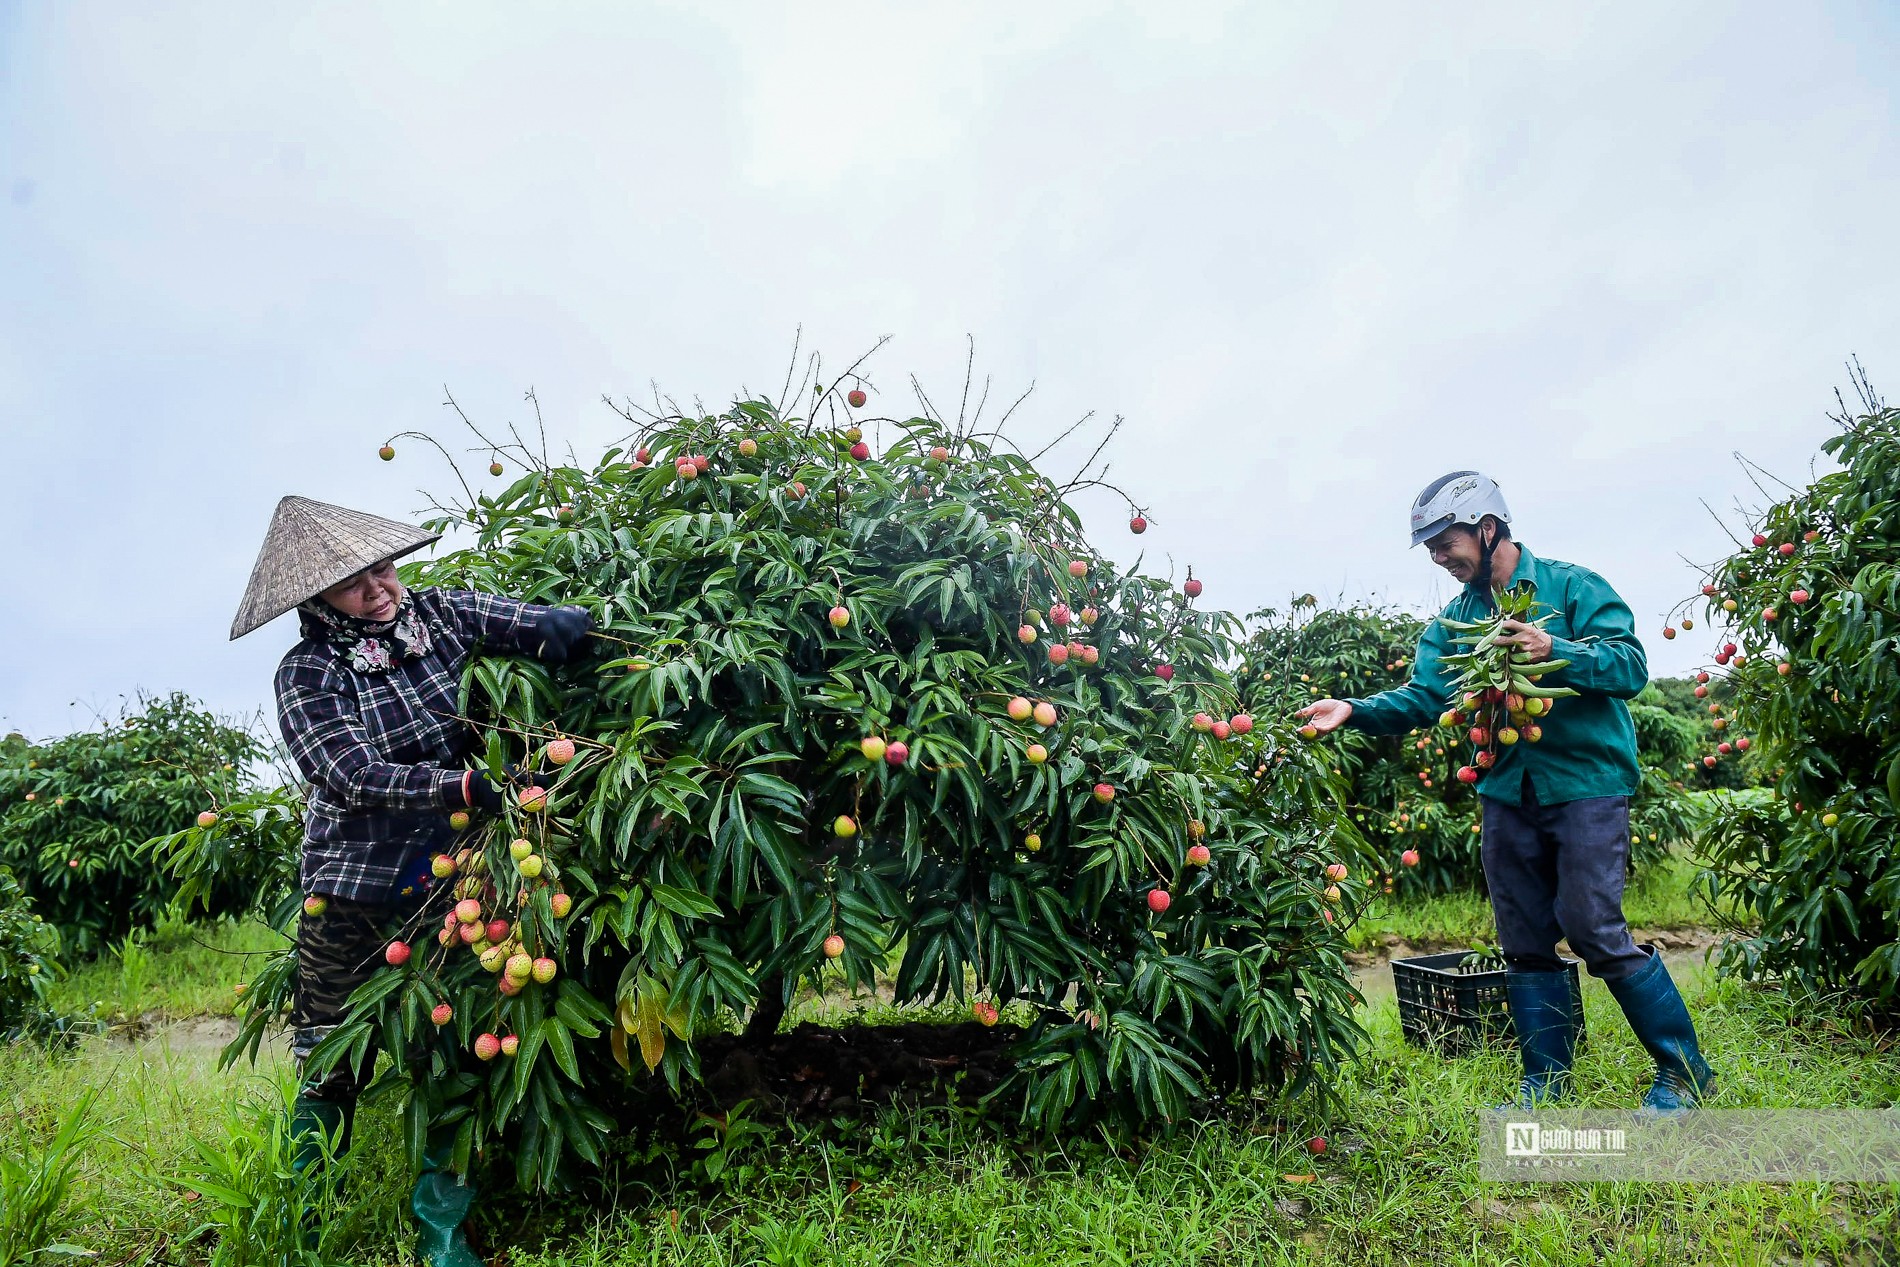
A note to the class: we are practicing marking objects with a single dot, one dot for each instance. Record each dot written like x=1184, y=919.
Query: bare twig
x=791, y=367
x=1068, y=431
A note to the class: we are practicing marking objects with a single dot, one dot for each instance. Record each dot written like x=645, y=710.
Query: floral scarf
x=369, y=647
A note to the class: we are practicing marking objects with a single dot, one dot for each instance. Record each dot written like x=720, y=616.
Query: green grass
x=942, y=1186
x=153, y=1096
x=1407, y=1191
x=180, y=970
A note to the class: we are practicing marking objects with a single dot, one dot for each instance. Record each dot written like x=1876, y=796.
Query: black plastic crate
x=1455, y=1009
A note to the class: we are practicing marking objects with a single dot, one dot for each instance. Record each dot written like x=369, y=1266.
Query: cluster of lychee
x=860, y=451
x=1238, y=724
x=876, y=748
x=1498, y=718
x=1400, y=825
x=1717, y=721
x=1799, y=595
x=1043, y=713
x=487, y=1046
x=1198, y=855
x=1336, y=874
x=1425, y=775
x=476, y=920
x=1729, y=653
x=494, y=941
x=1063, y=621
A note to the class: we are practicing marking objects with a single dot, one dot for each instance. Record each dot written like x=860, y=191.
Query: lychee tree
x=855, y=710
x=29, y=949
x=1401, y=791
x=1700, y=711
x=75, y=813
x=1805, y=613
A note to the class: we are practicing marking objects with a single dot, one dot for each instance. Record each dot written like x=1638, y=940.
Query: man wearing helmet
x=1556, y=812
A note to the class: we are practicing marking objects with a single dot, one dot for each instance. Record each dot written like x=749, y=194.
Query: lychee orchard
x=1803, y=617
x=863, y=705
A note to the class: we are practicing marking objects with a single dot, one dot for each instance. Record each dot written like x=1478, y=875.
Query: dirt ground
x=813, y=1070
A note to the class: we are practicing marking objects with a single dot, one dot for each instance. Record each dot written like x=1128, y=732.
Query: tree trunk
x=769, y=1012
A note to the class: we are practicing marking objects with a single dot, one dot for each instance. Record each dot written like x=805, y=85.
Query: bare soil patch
x=814, y=1070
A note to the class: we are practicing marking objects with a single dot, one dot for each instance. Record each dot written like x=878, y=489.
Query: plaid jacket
x=384, y=752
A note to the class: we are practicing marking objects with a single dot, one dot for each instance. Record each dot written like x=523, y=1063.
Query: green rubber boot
x=314, y=1121
x=1546, y=1037
x=1659, y=1017
x=441, y=1199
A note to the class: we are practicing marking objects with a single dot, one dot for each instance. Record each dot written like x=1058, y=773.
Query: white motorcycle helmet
x=1463, y=497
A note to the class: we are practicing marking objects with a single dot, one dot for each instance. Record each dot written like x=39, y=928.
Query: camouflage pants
x=337, y=951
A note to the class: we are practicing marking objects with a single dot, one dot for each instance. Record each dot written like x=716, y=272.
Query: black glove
x=558, y=631
x=482, y=795
x=489, y=799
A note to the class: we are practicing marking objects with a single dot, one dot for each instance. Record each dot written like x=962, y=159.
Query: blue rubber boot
x=441, y=1199
x=1656, y=1012
x=1546, y=1035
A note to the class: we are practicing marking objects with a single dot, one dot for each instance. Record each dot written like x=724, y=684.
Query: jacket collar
x=1526, y=570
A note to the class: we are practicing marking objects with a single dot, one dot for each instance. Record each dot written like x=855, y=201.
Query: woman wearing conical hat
x=367, y=704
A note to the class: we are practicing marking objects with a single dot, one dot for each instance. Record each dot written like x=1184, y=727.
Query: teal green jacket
x=1589, y=744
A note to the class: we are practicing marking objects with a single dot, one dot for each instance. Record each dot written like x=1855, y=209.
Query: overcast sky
x=1315, y=254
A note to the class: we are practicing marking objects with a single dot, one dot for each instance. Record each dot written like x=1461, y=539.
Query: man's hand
x=1327, y=715
x=1528, y=637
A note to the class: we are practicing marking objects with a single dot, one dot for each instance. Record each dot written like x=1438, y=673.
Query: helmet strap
x=1487, y=549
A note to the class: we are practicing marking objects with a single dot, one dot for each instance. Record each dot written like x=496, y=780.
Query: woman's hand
x=479, y=794
x=560, y=630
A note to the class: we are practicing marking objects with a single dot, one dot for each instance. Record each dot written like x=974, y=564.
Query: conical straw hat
x=310, y=547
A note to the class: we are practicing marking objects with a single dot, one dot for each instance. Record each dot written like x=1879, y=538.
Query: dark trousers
x=1556, y=871
x=336, y=952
